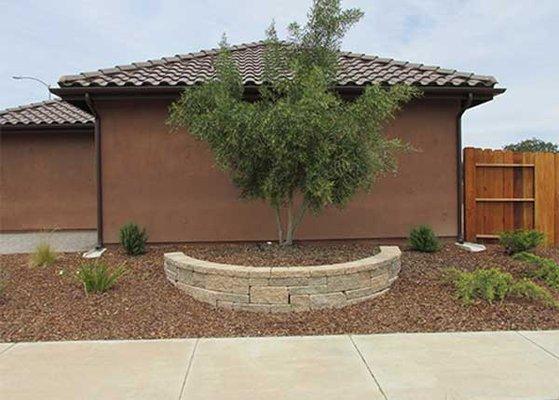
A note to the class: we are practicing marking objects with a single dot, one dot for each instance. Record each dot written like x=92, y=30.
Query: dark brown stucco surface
x=47, y=180
x=168, y=183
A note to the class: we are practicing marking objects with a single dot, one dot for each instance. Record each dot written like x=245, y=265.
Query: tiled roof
x=48, y=112
x=194, y=68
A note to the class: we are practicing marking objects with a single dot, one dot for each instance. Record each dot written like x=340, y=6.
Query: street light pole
x=36, y=80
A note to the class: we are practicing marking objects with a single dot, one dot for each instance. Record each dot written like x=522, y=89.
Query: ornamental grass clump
x=422, y=238
x=520, y=240
x=133, y=239
x=492, y=284
x=43, y=256
x=546, y=269
x=97, y=277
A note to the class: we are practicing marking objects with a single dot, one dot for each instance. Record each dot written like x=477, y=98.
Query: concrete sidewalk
x=484, y=365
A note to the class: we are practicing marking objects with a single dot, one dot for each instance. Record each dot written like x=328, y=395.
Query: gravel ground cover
x=49, y=304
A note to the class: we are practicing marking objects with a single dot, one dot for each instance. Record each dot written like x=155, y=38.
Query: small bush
x=96, y=277
x=493, y=284
x=422, y=238
x=546, y=269
x=488, y=284
x=133, y=239
x=43, y=256
x=520, y=240
x=527, y=289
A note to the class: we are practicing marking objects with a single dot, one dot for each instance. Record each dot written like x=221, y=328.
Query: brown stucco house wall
x=168, y=183
x=46, y=168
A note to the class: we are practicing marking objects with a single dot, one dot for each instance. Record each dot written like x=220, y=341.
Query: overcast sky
x=513, y=40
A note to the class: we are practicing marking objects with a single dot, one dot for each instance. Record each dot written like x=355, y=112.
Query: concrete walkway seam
x=8, y=348
x=540, y=346
x=189, y=366
x=368, y=367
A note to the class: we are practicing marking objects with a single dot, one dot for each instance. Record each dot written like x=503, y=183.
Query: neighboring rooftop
x=194, y=68
x=50, y=112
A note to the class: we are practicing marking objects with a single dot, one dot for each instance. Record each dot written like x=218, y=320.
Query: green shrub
x=422, y=238
x=520, y=240
x=493, y=284
x=3, y=279
x=489, y=284
x=97, y=277
x=546, y=269
x=525, y=288
x=133, y=239
x=42, y=256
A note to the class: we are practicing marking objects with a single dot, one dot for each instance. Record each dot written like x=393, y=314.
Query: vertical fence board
x=470, y=194
x=505, y=190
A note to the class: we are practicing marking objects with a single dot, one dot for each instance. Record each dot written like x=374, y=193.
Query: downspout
x=97, y=138
x=460, y=167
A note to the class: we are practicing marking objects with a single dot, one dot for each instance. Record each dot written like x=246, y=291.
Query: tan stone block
x=198, y=280
x=300, y=300
x=380, y=282
x=227, y=284
x=203, y=295
x=348, y=282
x=269, y=295
x=185, y=276
x=328, y=300
x=318, y=280
x=366, y=298
x=294, y=290
x=289, y=272
x=293, y=281
x=258, y=281
x=359, y=293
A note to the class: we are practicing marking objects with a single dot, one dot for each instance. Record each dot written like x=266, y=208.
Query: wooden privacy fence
x=506, y=190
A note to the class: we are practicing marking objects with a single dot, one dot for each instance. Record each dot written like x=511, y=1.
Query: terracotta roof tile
x=193, y=68
x=45, y=113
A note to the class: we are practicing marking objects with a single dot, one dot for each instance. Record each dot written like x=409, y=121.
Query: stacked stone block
x=284, y=289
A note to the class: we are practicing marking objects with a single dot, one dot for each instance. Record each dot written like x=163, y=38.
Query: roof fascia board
x=49, y=127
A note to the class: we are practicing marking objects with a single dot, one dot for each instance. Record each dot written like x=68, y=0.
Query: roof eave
x=86, y=127
x=76, y=93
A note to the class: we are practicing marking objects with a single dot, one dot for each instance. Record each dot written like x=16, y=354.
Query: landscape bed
x=48, y=303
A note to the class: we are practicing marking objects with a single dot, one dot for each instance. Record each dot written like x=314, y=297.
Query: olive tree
x=300, y=146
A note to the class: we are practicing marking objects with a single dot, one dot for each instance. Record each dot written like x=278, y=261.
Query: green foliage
x=533, y=145
x=492, y=284
x=520, y=240
x=488, y=284
x=133, y=239
x=3, y=281
x=422, y=238
x=300, y=146
x=546, y=268
x=43, y=256
x=527, y=289
x=97, y=277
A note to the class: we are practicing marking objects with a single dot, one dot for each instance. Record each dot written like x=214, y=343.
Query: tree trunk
x=294, y=222
x=278, y=224
x=289, y=231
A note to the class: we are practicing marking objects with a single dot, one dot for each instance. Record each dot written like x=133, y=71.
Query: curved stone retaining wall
x=284, y=289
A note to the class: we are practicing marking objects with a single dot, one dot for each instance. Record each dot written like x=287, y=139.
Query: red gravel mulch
x=42, y=304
